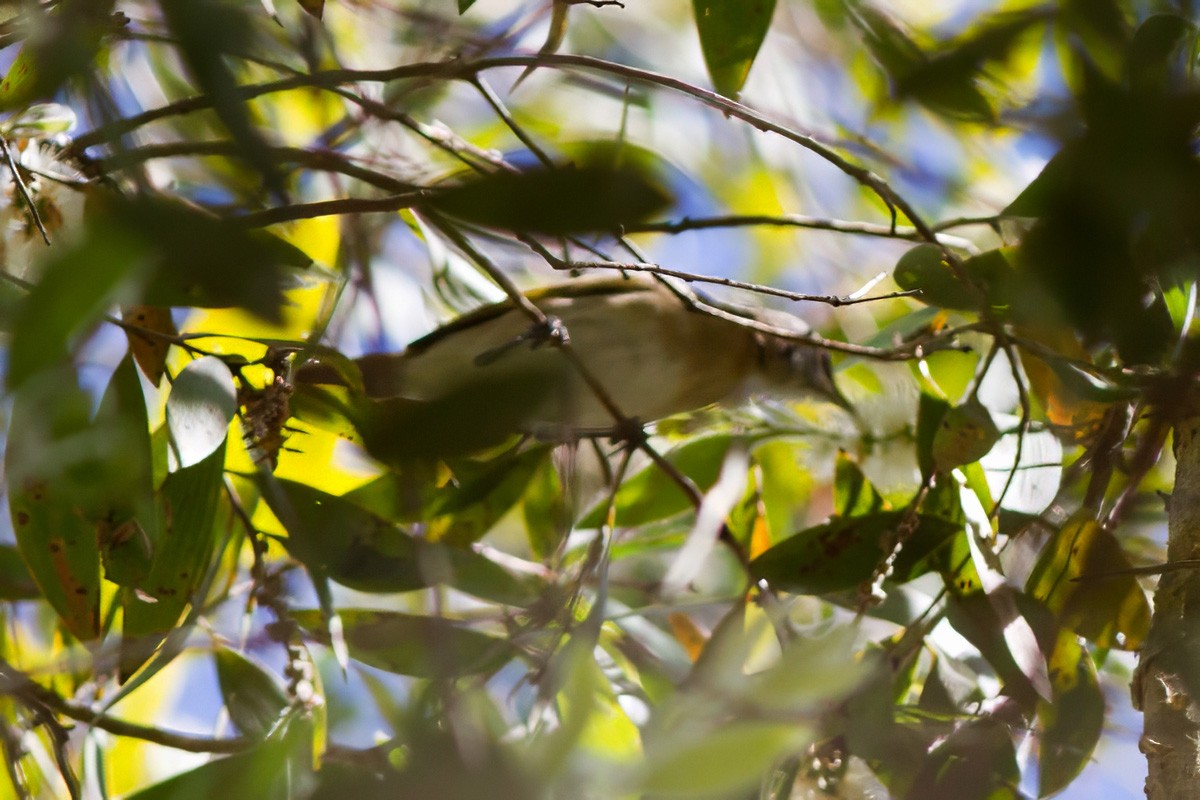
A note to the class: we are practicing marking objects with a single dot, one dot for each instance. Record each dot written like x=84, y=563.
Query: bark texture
x=1166, y=685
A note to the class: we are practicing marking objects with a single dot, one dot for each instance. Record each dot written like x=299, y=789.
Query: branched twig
x=655, y=269
x=27, y=691
x=906, y=233
x=327, y=208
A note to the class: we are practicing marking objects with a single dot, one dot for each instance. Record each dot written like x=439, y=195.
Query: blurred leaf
x=252, y=696
x=651, y=495
x=78, y=284
x=150, y=351
x=276, y=769
x=128, y=525
x=199, y=409
x=313, y=7
x=547, y=511
x=1075, y=578
x=38, y=121
x=844, y=552
x=426, y=647
x=966, y=433
x=1159, y=51
x=1071, y=723
x=188, y=502
x=947, y=81
x=199, y=259
x=600, y=194
x=463, y=5
x=15, y=581
x=731, y=758
x=205, y=31
x=989, y=625
x=58, y=478
x=977, y=762
x=731, y=31
x=62, y=44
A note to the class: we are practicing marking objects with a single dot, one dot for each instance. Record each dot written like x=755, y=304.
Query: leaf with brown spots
x=150, y=325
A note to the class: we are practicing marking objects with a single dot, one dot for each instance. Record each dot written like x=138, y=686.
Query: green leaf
x=58, y=478
x=188, y=502
x=201, y=260
x=1075, y=578
x=129, y=524
x=547, y=511
x=1072, y=722
x=843, y=553
x=462, y=514
x=965, y=434
x=335, y=537
x=61, y=44
x=252, y=696
x=651, y=495
x=930, y=413
x=277, y=769
x=427, y=647
x=853, y=494
x=600, y=192
x=731, y=32
x=463, y=5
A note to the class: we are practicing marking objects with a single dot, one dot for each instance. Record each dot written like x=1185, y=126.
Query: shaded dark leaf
x=253, y=698
x=428, y=647
x=731, y=31
x=1072, y=722
x=596, y=194
x=977, y=762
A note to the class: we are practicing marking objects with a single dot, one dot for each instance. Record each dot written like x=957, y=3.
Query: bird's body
x=486, y=374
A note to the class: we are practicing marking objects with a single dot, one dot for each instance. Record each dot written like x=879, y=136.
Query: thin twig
x=828, y=299
x=23, y=189
x=328, y=208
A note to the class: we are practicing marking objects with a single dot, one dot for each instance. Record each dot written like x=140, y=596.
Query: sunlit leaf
x=149, y=350
x=731, y=31
x=201, y=404
x=966, y=433
x=1079, y=578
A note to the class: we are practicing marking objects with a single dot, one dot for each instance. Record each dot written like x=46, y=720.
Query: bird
x=495, y=372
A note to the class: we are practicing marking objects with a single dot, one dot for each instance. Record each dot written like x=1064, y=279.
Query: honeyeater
x=493, y=372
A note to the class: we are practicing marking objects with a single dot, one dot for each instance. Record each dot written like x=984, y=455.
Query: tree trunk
x=1166, y=685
